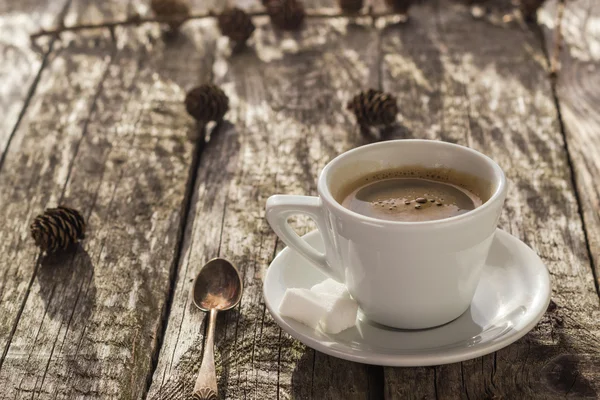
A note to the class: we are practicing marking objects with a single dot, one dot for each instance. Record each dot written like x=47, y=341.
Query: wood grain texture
x=21, y=62
x=484, y=84
x=287, y=95
x=106, y=132
x=577, y=89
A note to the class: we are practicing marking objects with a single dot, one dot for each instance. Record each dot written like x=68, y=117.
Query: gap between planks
x=187, y=207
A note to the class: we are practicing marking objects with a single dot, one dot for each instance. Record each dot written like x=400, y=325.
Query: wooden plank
x=287, y=94
x=106, y=133
x=577, y=90
x=21, y=62
x=483, y=84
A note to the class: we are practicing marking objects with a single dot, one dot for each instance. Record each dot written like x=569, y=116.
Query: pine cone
x=171, y=8
x=529, y=8
x=374, y=107
x=207, y=103
x=399, y=6
x=236, y=24
x=285, y=14
x=57, y=228
x=351, y=6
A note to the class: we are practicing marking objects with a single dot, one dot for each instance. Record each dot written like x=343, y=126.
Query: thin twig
x=558, y=39
x=136, y=19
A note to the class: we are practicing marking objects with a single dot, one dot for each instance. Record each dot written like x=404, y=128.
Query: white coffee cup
x=409, y=275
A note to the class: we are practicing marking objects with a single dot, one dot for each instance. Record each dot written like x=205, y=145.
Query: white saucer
x=511, y=298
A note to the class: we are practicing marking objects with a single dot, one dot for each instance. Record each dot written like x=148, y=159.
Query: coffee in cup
x=414, y=193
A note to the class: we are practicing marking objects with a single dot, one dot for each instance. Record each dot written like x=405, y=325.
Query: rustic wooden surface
x=21, y=63
x=96, y=121
x=578, y=88
x=104, y=132
x=484, y=84
x=285, y=124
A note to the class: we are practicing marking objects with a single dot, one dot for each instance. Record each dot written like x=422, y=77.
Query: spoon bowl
x=217, y=286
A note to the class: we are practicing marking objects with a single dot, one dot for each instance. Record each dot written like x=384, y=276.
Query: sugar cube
x=326, y=306
x=304, y=306
x=331, y=287
x=340, y=313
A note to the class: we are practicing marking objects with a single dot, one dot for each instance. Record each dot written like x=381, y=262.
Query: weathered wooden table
x=96, y=121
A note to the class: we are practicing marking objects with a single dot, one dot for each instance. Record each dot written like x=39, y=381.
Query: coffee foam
x=482, y=188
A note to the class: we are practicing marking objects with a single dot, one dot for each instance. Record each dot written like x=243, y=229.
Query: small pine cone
x=529, y=8
x=57, y=228
x=285, y=14
x=207, y=103
x=374, y=107
x=171, y=8
x=236, y=24
x=399, y=6
x=351, y=6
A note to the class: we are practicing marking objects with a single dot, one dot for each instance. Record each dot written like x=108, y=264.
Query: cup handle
x=281, y=207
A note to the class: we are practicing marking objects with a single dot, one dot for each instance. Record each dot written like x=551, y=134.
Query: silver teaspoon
x=217, y=287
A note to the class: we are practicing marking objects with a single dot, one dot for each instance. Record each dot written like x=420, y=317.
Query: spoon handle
x=206, y=383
